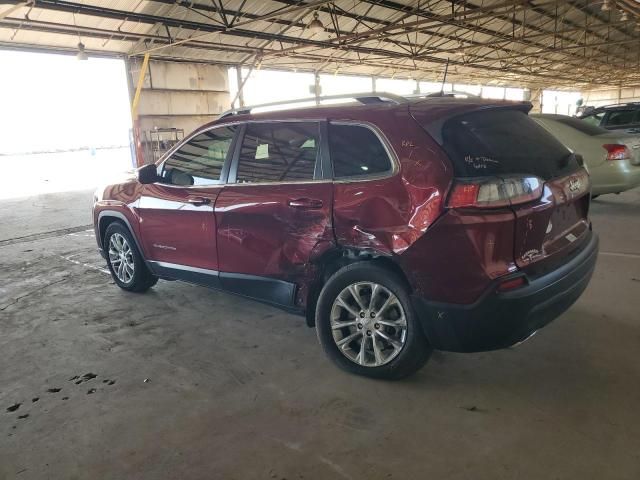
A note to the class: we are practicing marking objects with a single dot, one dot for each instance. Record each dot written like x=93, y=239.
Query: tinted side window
x=620, y=117
x=278, y=152
x=356, y=151
x=200, y=160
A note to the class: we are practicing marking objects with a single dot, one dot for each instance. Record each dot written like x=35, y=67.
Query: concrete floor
x=195, y=384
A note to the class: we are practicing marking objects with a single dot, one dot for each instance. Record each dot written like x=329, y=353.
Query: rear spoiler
x=434, y=128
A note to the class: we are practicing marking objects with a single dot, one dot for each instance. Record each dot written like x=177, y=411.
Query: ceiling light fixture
x=82, y=55
x=315, y=25
x=605, y=6
x=625, y=16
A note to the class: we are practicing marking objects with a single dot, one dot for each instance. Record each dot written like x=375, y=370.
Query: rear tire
x=125, y=262
x=364, y=302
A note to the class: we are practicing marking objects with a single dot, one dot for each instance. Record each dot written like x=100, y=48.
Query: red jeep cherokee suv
x=396, y=226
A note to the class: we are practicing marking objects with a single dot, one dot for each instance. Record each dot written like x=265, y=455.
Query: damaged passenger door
x=274, y=215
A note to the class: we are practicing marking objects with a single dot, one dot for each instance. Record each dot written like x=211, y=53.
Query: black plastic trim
x=270, y=290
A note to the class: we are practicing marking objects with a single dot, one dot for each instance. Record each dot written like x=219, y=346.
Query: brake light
x=492, y=192
x=616, y=152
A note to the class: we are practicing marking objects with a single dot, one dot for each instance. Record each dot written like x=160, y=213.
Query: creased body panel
x=261, y=233
x=389, y=214
x=460, y=256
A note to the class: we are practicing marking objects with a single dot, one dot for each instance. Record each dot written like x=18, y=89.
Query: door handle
x=197, y=201
x=306, y=203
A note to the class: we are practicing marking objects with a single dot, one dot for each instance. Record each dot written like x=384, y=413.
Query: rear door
x=177, y=222
x=504, y=142
x=274, y=216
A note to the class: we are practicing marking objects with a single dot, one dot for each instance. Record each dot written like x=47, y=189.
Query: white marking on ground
x=335, y=467
x=618, y=254
x=86, y=265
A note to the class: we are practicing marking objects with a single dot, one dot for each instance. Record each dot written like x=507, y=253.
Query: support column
x=137, y=134
x=132, y=133
x=535, y=97
x=240, y=86
x=317, y=89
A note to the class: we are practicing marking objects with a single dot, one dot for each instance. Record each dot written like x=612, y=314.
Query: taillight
x=492, y=192
x=617, y=152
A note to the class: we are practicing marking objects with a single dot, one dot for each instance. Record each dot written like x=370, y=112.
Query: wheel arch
x=335, y=259
x=106, y=218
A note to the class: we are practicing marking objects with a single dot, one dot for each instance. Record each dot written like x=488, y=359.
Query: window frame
x=320, y=170
x=224, y=173
x=366, y=177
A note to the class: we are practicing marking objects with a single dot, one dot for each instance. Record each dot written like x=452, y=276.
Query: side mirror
x=148, y=174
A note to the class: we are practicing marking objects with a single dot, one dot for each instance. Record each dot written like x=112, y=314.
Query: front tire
x=125, y=261
x=366, y=323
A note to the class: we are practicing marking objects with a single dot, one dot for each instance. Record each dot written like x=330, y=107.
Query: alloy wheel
x=368, y=324
x=121, y=258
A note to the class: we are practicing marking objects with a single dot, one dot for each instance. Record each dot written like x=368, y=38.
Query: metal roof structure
x=541, y=43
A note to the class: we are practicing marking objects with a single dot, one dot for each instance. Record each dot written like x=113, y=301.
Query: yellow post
x=136, y=96
x=134, y=112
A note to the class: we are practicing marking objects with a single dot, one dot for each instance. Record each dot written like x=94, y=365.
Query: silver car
x=612, y=158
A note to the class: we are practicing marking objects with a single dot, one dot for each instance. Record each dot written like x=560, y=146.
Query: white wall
x=181, y=95
x=600, y=97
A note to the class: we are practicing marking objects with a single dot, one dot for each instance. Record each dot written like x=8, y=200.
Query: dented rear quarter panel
x=461, y=255
x=389, y=214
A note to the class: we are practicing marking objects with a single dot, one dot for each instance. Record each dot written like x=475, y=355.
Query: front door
x=274, y=216
x=177, y=219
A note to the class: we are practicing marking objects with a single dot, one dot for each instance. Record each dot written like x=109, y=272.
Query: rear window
x=504, y=142
x=581, y=125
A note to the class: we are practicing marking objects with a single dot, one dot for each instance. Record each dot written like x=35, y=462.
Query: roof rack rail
x=364, y=98
x=449, y=93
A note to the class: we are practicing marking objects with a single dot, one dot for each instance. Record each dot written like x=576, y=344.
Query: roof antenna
x=446, y=69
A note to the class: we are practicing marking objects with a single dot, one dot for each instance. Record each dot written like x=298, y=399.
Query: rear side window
x=278, y=152
x=620, y=117
x=357, y=151
x=200, y=160
x=497, y=142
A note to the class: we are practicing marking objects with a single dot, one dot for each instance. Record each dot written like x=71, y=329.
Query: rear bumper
x=614, y=177
x=498, y=320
